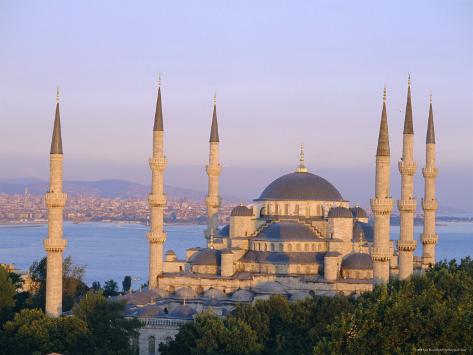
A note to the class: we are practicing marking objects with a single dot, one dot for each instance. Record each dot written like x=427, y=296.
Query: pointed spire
x=301, y=168
x=430, y=126
x=383, y=140
x=214, y=128
x=408, y=125
x=56, y=142
x=158, y=117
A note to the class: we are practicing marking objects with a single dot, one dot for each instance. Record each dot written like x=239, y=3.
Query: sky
x=285, y=73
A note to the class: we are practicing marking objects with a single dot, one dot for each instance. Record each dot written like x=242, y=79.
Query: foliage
x=110, y=331
x=96, y=286
x=7, y=295
x=110, y=288
x=432, y=311
x=32, y=332
x=126, y=283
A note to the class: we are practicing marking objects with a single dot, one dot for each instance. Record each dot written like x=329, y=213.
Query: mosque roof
x=206, y=257
x=242, y=296
x=214, y=293
x=241, y=211
x=186, y=292
x=357, y=261
x=271, y=287
x=358, y=212
x=300, y=186
x=253, y=256
x=56, y=141
x=339, y=212
x=182, y=312
x=299, y=295
x=362, y=231
x=214, y=128
x=283, y=231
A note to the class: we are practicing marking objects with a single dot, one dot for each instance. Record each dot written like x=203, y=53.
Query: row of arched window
x=288, y=247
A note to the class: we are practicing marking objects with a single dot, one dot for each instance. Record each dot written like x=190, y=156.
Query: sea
x=114, y=250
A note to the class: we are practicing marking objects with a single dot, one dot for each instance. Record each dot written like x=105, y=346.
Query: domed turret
x=339, y=212
x=241, y=211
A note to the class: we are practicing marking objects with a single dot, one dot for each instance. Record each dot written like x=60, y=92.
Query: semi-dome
x=358, y=212
x=241, y=211
x=357, y=261
x=286, y=231
x=182, y=312
x=300, y=186
x=339, y=212
x=242, y=296
x=206, y=257
x=214, y=293
x=271, y=287
x=186, y=292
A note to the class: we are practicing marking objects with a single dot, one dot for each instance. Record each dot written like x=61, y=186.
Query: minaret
x=55, y=200
x=407, y=204
x=382, y=204
x=157, y=198
x=213, y=171
x=429, y=204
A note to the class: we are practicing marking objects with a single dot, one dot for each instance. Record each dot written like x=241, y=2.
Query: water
x=111, y=251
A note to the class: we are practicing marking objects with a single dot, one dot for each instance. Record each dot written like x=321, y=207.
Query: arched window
x=277, y=210
x=286, y=209
x=281, y=247
x=313, y=247
x=272, y=247
x=265, y=247
x=307, y=211
x=289, y=247
x=306, y=247
x=151, y=345
x=296, y=210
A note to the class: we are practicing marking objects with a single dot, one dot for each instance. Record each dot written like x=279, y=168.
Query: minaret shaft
x=407, y=204
x=382, y=204
x=157, y=200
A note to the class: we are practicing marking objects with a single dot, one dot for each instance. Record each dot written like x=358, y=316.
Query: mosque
x=299, y=238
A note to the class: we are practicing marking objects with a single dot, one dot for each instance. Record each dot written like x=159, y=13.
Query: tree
x=110, y=288
x=96, y=286
x=7, y=296
x=111, y=331
x=126, y=284
x=32, y=332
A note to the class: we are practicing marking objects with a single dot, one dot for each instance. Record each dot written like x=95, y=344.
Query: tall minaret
x=157, y=198
x=213, y=171
x=55, y=200
x=429, y=204
x=382, y=204
x=407, y=204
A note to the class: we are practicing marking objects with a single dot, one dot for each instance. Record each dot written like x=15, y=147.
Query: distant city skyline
x=302, y=72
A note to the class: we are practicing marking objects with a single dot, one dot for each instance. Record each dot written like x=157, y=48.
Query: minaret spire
x=429, y=236
x=407, y=204
x=381, y=204
x=213, y=171
x=55, y=201
x=157, y=198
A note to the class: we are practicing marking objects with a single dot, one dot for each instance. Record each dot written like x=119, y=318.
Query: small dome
x=214, y=293
x=271, y=287
x=182, y=312
x=242, y=296
x=241, y=211
x=186, y=293
x=286, y=231
x=299, y=296
x=301, y=186
x=362, y=232
x=357, y=261
x=170, y=252
x=149, y=311
x=339, y=212
x=358, y=212
x=206, y=257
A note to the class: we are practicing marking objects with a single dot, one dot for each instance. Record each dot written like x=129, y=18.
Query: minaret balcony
x=156, y=200
x=54, y=245
x=380, y=254
x=156, y=237
x=409, y=205
x=406, y=245
x=430, y=238
x=158, y=164
x=430, y=205
x=213, y=170
x=381, y=206
x=55, y=199
x=407, y=167
x=430, y=172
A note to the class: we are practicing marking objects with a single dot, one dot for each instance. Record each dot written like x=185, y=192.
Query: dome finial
x=430, y=97
x=301, y=168
x=57, y=94
x=214, y=100
x=384, y=93
x=159, y=80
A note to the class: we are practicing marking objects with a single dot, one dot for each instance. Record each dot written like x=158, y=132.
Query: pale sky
x=285, y=73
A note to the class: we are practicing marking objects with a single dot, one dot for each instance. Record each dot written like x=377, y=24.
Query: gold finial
x=57, y=94
x=409, y=79
x=301, y=168
x=159, y=80
x=430, y=97
x=214, y=100
x=384, y=93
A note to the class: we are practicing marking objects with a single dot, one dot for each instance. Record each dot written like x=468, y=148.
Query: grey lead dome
x=300, y=186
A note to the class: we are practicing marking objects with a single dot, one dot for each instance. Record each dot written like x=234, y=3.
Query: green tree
x=7, y=296
x=126, y=284
x=111, y=331
x=96, y=286
x=110, y=288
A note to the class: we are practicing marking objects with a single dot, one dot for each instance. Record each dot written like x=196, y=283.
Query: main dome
x=301, y=186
